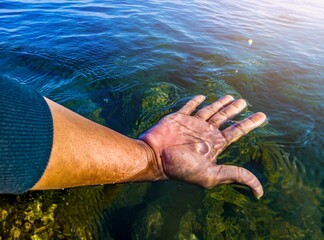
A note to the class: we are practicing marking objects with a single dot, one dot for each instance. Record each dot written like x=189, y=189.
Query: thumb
x=229, y=174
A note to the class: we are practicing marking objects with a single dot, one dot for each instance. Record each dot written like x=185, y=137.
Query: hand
x=186, y=147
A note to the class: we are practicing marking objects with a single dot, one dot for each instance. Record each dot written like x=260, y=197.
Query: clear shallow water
x=125, y=64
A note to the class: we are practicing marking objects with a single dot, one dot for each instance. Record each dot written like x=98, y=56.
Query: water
x=125, y=64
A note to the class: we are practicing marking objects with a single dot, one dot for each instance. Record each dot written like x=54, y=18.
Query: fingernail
x=265, y=122
x=247, y=103
x=200, y=97
x=259, y=197
x=259, y=192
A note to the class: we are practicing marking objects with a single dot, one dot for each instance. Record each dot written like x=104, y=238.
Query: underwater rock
x=39, y=215
x=149, y=224
x=4, y=215
x=28, y=226
x=189, y=226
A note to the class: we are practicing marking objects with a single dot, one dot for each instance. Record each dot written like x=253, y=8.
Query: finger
x=208, y=111
x=190, y=106
x=237, y=130
x=233, y=174
x=227, y=113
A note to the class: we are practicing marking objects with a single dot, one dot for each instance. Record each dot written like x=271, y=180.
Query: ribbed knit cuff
x=26, y=136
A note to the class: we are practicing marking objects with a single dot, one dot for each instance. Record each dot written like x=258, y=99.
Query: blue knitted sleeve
x=26, y=136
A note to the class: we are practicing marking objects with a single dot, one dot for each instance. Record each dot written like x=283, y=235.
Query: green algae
x=49, y=215
x=149, y=225
x=155, y=105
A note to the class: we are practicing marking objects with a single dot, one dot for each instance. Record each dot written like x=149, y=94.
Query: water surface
x=125, y=64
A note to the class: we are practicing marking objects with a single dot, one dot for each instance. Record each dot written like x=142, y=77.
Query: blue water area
x=126, y=64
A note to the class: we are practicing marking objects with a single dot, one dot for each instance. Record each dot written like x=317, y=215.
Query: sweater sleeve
x=26, y=136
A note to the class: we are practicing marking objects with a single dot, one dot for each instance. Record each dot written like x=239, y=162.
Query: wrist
x=154, y=162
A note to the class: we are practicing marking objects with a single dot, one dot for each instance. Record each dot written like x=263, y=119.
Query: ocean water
x=125, y=64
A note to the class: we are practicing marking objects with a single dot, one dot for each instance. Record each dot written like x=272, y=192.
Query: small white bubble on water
x=250, y=41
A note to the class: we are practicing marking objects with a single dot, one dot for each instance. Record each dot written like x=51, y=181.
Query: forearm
x=86, y=153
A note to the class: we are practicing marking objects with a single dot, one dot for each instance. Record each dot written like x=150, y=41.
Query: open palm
x=186, y=147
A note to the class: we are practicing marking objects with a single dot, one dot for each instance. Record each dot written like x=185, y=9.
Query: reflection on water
x=127, y=64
